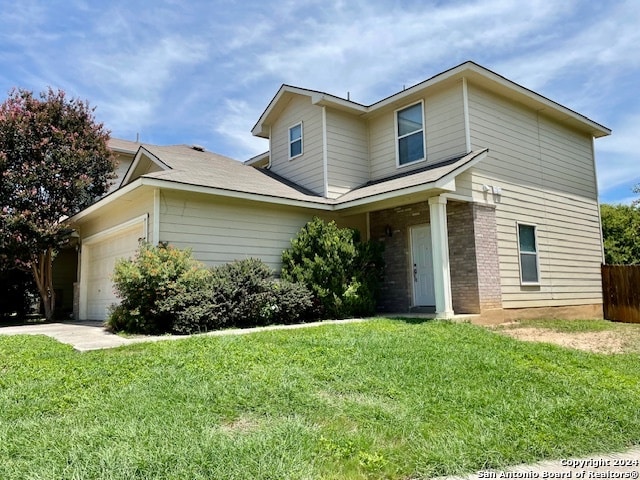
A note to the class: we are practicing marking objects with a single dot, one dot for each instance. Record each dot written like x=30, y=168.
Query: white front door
x=422, y=266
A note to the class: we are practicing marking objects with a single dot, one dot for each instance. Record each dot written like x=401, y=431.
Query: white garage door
x=101, y=257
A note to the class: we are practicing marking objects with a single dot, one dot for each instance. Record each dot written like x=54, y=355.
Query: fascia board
x=444, y=184
x=185, y=187
x=316, y=97
x=143, y=152
x=106, y=200
x=472, y=70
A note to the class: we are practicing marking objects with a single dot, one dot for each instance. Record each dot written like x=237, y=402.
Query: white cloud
x=619, y=157
x=234, y=123
x=188, y=71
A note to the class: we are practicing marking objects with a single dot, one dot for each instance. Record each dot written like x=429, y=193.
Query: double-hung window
x=410, y=134
x=528, y=252
x=295, y=141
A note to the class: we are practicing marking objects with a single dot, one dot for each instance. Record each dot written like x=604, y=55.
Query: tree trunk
x=42, y=269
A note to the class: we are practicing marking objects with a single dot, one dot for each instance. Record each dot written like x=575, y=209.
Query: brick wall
x=397, y=290
x=462, y=258
x=473, y=255
x=486, y=239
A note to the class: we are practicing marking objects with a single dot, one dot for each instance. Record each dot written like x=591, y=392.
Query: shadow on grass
x=412, y=320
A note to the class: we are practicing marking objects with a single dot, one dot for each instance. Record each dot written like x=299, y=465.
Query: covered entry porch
x=441, y=257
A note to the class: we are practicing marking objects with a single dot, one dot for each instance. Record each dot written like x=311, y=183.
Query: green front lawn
x=381, y=399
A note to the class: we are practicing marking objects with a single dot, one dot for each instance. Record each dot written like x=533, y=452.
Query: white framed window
x=528, y=254
x=410, y=134
x=295, y=141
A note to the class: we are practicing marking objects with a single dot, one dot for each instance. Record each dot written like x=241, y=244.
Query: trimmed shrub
x=144, y=282
x=162, y=289
x=190, y=306
x=288, y=303
x=240, y=290
x=245, y=294
x=343, y=273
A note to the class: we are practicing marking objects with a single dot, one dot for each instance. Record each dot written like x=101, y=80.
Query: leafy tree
x=54, y=161
x=621, y=234
x=343, y=273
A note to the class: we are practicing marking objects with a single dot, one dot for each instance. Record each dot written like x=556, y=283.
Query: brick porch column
x=440, y=249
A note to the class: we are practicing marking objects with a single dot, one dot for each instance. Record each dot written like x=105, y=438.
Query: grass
x=381, y=399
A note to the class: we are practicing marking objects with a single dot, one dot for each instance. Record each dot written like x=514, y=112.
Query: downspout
x=270, y=150
x=595, y=179
x=156, y=217
x=465, y=108
x=325, y=154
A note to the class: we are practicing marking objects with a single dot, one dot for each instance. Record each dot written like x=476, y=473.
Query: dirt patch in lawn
x=599, y=342
x=240, y=425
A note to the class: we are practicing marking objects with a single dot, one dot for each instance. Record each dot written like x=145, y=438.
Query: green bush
x=343, y=273
x=190, y=306
x=146, y=281
x=245, y=294
x=288, y=303
x=162, y=289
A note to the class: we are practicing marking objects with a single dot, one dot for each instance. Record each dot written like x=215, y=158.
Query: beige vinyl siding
x=119, y=211
x=444, y=123
x=145, y=165
x=347, y=153
x=220, y=230
x=444, y=130
x=124, y=161
x=464, y=184
x=307, y=169
x=546, y=174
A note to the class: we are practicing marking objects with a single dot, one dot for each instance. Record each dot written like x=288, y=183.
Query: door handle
x=415, y=273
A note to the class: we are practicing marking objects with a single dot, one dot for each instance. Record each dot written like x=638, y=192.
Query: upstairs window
x=295, y=141
x=528, y=252
x=410, y=134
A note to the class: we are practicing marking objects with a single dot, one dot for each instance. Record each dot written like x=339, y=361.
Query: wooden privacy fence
x=621, y=293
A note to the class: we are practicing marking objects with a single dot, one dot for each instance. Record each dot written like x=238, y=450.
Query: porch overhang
x=412, y=187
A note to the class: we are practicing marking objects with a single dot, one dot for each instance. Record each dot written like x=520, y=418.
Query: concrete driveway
x=91, y=335
x=82, y=336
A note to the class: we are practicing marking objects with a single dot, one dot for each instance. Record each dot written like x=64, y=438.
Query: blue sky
x=202, y=72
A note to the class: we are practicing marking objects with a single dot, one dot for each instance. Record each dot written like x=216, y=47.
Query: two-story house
x=483, y=192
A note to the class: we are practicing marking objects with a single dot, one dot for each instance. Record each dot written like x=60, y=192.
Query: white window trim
x=292, y=142
x=537, y=253
x=424, y=138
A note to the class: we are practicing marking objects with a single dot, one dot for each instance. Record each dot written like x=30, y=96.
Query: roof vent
x=198, y=148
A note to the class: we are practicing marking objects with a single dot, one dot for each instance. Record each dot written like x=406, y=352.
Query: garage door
x=101, y=257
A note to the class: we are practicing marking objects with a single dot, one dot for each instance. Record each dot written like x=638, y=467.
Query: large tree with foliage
x=621, y=234
x=54, y=161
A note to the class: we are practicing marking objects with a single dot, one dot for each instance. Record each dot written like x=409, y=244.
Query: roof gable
x=143, y=163
x=469, y=70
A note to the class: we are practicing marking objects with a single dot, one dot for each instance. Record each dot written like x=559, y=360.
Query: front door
x=422, y=266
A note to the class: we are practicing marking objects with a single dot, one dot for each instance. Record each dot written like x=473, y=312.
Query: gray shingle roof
x=207, y=169
x=188, y=166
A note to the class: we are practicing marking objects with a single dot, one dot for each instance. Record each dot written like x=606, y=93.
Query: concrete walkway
x=625, y=465
x=82, y=336
x=89, y=335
